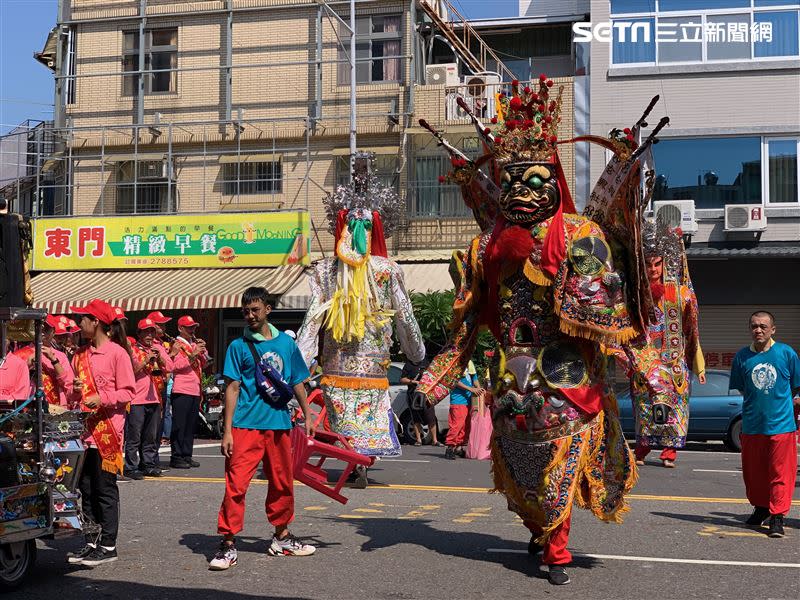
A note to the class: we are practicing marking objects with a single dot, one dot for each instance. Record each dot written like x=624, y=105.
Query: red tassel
x=514, y=244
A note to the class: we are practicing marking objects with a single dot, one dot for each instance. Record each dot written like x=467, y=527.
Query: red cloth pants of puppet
x=250, y=447
x=666, y=454
x=555, y=549
x=769, y=467
x=457, y=425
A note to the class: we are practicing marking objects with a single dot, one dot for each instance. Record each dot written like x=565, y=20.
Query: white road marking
x=715, y=471
x=658, y=559
x=167, y=449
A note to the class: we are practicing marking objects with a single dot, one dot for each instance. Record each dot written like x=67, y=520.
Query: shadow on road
x=205, y=545
x=385, y=533
x=88, y=588
x=724, y=519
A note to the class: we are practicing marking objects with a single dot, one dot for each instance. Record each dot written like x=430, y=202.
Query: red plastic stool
x=323, y=445
x=316, y=404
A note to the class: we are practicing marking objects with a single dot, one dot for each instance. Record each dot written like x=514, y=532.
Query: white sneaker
x=225, y=558
x=289, y=546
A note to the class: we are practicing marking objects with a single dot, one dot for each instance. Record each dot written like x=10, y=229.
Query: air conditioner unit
x=676, y=213
x=745, y=217
x=154, y=169
x=444, y=74
x=480, y=85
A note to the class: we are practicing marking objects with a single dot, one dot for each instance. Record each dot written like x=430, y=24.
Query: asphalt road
x=427, y=528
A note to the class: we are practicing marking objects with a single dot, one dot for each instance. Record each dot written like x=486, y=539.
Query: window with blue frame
x=636, y=44
x=715, y=171
x=697, y=31
x=785, y=39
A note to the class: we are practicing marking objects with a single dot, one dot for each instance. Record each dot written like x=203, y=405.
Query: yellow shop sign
x=224, y=241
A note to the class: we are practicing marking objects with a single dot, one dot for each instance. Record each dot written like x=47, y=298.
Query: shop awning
x=158, y=290
x=419, y=277
x=227, y=159
x=115, y=158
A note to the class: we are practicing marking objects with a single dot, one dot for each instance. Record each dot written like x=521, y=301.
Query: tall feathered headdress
x=366, y=193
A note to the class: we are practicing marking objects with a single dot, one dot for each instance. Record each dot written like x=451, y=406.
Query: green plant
x=206, y=380
x=434, y=311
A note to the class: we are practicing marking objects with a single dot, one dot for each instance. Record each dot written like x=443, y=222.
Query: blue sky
x=26, y=86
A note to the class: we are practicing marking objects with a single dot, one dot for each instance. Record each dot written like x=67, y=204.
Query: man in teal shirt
x=768, y=375
x=258, y=428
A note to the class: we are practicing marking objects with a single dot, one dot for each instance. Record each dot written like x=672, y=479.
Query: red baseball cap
x=147, y=323
x=158, y=317
x=102, y=311
x=187, y=321
x=119, y=313
x=72, y=326
x=59, y=324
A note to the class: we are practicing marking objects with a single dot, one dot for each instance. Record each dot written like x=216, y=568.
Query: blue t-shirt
x=459, y=397
x=252, y=410
x=766, y=380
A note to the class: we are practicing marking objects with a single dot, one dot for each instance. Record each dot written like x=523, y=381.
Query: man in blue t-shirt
x=258, y=428
x=768, y=375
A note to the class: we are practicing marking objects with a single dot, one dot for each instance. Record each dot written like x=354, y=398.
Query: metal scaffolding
x=161, y=161
x=89, y=160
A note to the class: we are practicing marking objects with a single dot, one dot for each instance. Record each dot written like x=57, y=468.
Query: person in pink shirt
x=151, y=366
x=190, y=357
x=165, y=428
x=57, y=373
x=15, y=379
x=104, y=386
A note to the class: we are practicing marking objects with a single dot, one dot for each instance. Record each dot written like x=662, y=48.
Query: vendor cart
x=41, y=455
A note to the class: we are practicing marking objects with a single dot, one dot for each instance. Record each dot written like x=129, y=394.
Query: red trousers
x=250, y=447
x=555, y=550
x=769, y=467
x=666, y=454
x=457, y=425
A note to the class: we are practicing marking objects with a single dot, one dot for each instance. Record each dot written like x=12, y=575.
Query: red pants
x=458, y=425
x=555, y=550
x=250, y=447
x=769, y=467
x=666, y=454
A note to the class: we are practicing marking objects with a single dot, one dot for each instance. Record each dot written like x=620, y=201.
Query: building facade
x=728, y=75
x=241, y=106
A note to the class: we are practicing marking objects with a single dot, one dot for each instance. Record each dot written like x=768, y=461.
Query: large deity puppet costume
x=357, y=296
x=547, y=284
x=659, y=361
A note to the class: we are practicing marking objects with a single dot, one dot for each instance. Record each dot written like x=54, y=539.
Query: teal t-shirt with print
x=766, y=380
x=252, y=410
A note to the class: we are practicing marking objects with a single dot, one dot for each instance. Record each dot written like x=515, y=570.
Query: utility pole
x=352, y=87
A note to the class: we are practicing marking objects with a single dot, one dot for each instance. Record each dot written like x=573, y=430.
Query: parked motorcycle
x=212, y=407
